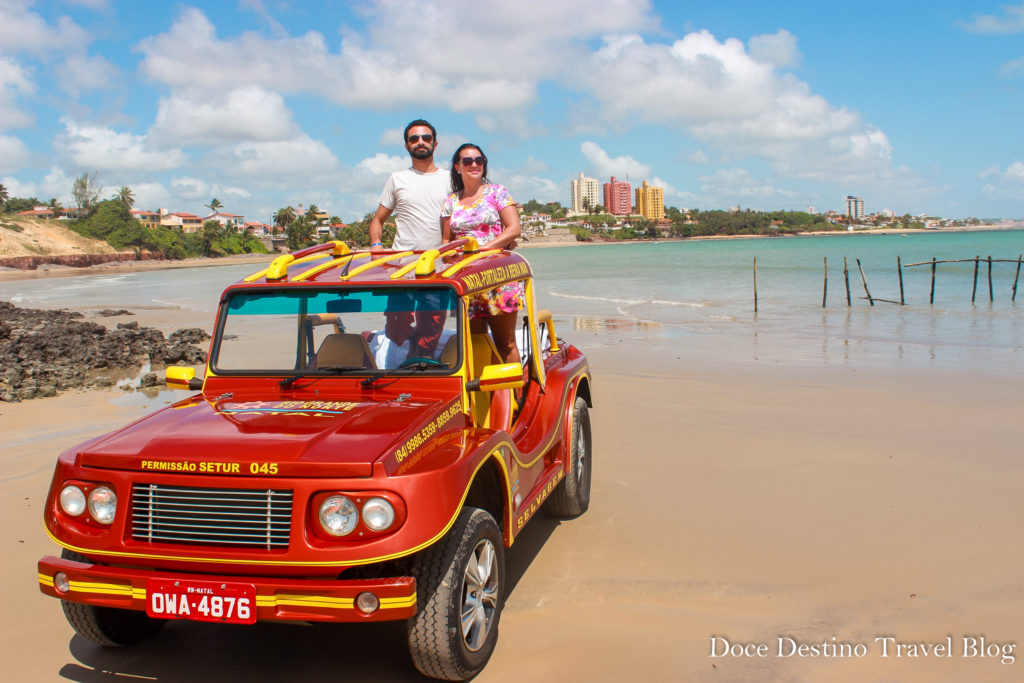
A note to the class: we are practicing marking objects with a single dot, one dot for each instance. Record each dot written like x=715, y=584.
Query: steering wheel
x=419, y=359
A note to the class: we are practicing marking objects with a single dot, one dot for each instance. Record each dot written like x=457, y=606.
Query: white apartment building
x=854, y=207
x=584, y=188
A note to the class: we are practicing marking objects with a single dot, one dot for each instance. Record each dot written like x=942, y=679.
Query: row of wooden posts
x=899, y=269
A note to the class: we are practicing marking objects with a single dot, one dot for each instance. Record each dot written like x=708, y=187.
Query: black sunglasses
x=468, y=161
x=416, y=138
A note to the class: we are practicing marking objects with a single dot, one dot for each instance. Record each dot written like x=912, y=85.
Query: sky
x=916, y=106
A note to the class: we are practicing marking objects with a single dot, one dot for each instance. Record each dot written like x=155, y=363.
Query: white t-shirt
x=416, y=199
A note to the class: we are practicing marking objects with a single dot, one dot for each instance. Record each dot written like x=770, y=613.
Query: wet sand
x=748, y=501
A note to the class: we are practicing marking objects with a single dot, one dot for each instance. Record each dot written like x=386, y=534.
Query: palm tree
x=126, y=197
x=284, y=217
x=56, y=207
x=3, y=195
x=214, y=205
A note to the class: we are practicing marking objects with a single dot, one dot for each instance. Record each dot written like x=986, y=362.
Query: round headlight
x=102, y=504
x=378, y=514
x=72, y=500
x=338, y=515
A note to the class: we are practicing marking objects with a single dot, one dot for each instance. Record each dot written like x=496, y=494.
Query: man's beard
x=421, y=152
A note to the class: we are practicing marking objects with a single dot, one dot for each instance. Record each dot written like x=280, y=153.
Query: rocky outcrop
x=45, y=352
x=75, y=260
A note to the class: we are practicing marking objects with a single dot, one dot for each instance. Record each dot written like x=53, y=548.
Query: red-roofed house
x=37, y=212
x=227, y=220
x=186, y=222
x=149, y=219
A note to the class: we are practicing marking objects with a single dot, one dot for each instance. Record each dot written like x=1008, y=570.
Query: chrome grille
x=238, y=517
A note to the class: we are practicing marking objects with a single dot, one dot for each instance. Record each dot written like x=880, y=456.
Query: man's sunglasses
x=469, y=161
x=416, y=138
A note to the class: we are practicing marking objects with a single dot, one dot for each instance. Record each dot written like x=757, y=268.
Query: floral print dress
x=482, y=220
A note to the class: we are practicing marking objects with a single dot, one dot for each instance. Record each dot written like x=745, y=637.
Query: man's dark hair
x=418, y=122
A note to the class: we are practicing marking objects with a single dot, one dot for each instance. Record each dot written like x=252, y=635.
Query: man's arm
x=377, y=227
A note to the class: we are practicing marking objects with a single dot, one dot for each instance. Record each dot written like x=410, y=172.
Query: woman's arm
x=510, y=233
x=446, y=229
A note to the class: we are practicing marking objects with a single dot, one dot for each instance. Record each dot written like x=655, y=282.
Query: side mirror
x=180, y=377
x=495, y=377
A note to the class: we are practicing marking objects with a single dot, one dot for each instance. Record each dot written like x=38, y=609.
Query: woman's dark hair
x=457, y=185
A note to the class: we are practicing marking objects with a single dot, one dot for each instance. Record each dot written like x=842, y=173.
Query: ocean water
x=695, y=299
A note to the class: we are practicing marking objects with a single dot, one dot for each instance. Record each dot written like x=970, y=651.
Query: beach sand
x=745, y=501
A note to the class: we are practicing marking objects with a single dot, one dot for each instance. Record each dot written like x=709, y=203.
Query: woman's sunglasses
x=416, y=138
x=469, y=161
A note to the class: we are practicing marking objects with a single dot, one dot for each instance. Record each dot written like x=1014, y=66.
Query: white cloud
x=14, y=82
x=55, y=184
x=297, y=160
x=605, y=166
x=1013, y=66
x=698, y=157
x=81, y=74
x=737, y=185
x=246, y=113
x=1015, y=173
x=24, y=31
x=524, y=187
x=778, y=49
x=382, y=164
x=738, y=104
x=150, y=196
x=191, y=188
x=105, y=149
x=1012, y=21
x=17, y=188
x=667, y=188
x=14, y=154
x=373, y=69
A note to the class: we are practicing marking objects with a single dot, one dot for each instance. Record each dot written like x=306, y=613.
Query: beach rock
x=189, y=335
x=109, y=312
x=45, y=352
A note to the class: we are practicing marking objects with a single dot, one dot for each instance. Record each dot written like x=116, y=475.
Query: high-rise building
x=650, y=202
x=586, y=194
x=854, y=207
x=617, y=199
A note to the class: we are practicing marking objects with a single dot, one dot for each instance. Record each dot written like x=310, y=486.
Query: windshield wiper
x=405, y=368
x=330, y=369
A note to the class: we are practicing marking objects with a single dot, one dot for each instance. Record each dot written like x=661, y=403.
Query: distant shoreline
x=260, y=260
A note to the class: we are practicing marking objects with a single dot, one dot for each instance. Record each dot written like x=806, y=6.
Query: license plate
x=230, y=603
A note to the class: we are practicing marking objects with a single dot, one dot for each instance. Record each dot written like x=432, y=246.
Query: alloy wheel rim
x=479, y=595
x=581, y=452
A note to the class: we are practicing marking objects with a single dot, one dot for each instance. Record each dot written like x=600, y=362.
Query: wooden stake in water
x=824, y=291
x=865, y=281
x=846, y=279
x=1016, y=277
x=974, y=288
x=932, y=299
x=990, y=279
x=899, y=269
x=755, y=284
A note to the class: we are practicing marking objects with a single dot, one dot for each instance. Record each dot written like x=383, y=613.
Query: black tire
x=107, y=626
x=572, y=496
x=463, y=574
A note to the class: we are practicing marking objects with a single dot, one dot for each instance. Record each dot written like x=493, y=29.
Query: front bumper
x=277, y=599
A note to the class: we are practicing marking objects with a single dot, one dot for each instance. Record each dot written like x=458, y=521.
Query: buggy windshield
x=338, y=330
